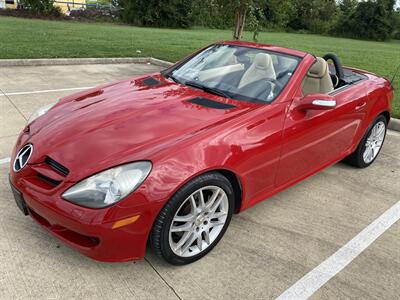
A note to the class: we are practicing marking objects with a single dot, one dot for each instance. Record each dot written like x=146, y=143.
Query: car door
x=316, y=137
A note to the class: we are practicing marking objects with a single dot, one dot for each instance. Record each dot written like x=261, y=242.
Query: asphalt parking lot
x=265, y=251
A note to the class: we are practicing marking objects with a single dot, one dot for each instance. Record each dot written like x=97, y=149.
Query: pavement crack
x=162, y=278
x=13, y=104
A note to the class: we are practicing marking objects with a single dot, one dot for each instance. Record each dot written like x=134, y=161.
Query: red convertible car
x=167, y=158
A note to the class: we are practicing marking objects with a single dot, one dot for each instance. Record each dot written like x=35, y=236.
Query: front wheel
x=194, y=219
x=370, y=145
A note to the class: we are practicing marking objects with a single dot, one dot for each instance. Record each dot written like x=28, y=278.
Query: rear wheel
x=370, y=145
x=194, y=219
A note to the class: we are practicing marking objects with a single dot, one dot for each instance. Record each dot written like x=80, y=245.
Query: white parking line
x=45, y=91
x=5, y=160
x=316, y=278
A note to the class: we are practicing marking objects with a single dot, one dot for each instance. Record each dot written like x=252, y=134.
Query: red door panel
x=313, y=139
x=257, y=156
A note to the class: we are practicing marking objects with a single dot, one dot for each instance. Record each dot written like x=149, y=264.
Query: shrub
x=41, y=7
x=369, y=20
x=396, y=25
x=316, y=16
x=210, y=13
x=153, y=13
x=94, y=15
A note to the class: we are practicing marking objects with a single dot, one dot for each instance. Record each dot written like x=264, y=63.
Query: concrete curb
x=161, y=63
x=394, y=124
x=82, y=61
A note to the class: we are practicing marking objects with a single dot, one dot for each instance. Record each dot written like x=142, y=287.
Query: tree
x=347, y=6
x=372, y=20
x=396, y=24
x=157, y=13
x=211, y=14
x=278, y=13
x=240, y=9
x=388, y=5
x=313, y=15
x=255, y=15
x=240, y=18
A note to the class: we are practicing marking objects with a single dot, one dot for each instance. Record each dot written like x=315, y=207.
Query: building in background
x=8, y=4
x=66, y=6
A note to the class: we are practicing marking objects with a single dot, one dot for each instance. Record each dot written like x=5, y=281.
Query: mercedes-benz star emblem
x=22, y=157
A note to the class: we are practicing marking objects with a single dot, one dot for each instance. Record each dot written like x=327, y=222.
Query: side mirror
x=316, y=102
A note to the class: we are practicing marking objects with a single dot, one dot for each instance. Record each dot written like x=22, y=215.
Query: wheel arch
x=232, y=177
x=236, y=185
x=364, y=130
x=386, y=114
x=237, y=191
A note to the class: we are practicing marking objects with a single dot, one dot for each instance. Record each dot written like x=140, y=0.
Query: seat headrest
x=262, y=61
x=318, y=69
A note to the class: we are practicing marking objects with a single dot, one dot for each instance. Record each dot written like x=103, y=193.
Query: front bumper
x=89, y=231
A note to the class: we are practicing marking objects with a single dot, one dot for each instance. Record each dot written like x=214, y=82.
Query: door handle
x=361, y=105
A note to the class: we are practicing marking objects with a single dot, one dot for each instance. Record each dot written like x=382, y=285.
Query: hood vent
x=210, y=103
x=90, y=95
x=56, y=166
x=150, y=81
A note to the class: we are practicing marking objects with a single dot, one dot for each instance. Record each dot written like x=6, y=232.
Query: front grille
x=48, y=180
x=56, y=166
x=48, y=174
x=65, y=233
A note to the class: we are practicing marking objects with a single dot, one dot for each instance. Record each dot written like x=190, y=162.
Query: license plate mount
x=19, y=200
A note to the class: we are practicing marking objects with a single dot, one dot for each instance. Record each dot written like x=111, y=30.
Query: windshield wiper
x=198, y=86
x=207, y=89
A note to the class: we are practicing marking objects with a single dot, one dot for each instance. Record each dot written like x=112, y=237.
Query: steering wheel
x=337, y=64
x=275, y=82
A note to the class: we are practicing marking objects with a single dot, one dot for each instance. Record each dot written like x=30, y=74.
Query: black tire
x=159, y=236
x=356, y=158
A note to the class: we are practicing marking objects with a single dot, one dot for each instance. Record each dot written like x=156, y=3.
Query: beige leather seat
x=318, y=80
x=261, y=68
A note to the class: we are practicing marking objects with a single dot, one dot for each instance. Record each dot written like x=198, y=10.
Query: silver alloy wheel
x=198, y=221
x=374, y=142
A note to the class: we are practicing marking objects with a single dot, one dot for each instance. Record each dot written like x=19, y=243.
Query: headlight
x=110, y=186
x=41, y=111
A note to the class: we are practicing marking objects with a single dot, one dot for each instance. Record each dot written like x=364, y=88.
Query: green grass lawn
x=24, y=38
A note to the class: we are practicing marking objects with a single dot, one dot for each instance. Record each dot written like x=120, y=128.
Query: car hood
x=122, y=122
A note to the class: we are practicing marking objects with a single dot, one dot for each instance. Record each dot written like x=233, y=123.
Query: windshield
x=242, y=73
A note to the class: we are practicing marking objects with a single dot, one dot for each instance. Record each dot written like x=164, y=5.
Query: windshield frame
x=168, y=73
